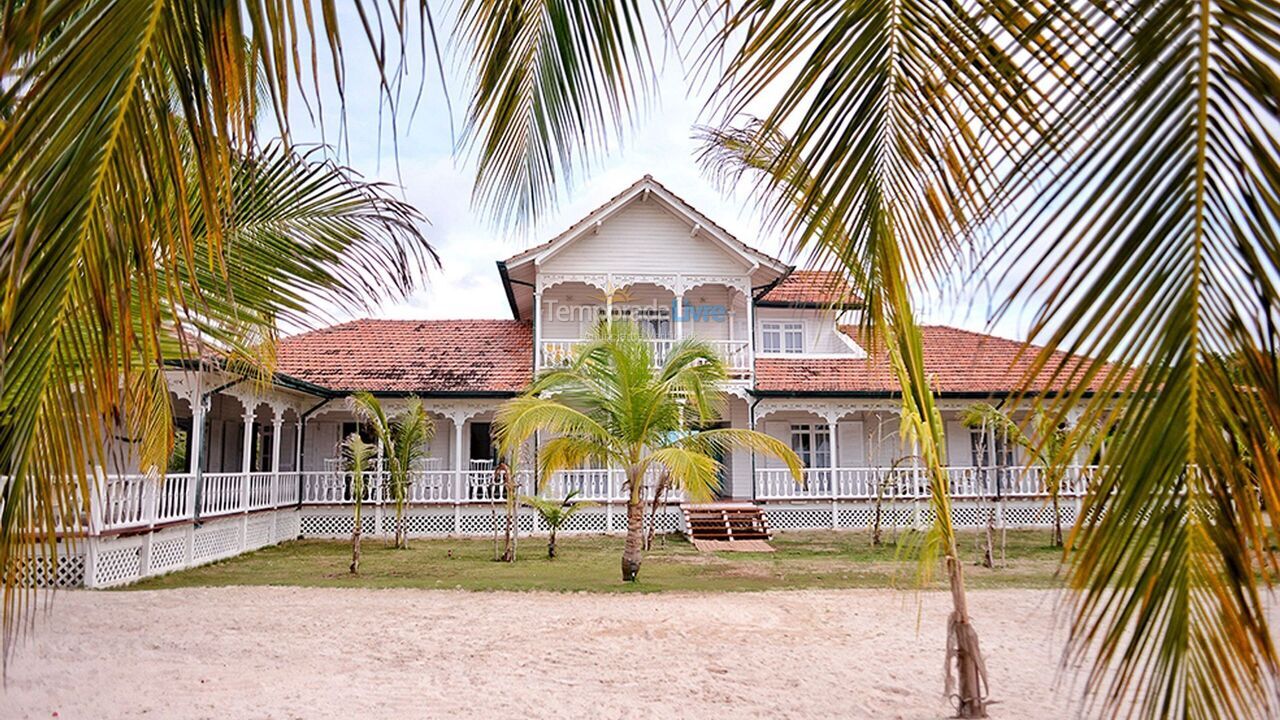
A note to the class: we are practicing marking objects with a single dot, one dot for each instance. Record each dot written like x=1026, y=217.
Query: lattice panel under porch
x=1038, y=516
x=288, y=525
x=168, y=552
x=214, y=542
x=258, y=531
x=434, y=524
x=798, y=519
x=118, y=561
x=863, y=517
x=339, y=526
x=43, y=572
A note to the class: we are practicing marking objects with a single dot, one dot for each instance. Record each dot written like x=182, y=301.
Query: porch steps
x=714, y=527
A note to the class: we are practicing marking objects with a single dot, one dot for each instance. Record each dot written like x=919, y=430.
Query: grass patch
x=591, y=564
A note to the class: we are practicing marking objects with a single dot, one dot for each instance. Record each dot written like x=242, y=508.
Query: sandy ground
x=333, y=653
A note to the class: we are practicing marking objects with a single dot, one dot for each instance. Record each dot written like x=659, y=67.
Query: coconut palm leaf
x=141, y=224
x=554, y=82
x=1161, y=261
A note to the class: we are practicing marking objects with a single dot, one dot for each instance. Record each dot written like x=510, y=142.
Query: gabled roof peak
x=640, y=189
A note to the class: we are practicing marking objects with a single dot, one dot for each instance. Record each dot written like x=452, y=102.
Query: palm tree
x=615, y=406
x=555, y=513
x=1051, y=444
x=356, y=454
x=404, y=438
x=1129, y=154
x=143, y=223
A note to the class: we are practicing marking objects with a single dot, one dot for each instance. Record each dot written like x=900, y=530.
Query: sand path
x=332, y=653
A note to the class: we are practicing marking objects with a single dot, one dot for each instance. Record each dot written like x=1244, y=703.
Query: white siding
x=821, y=336
x=738, y=472
x=959, y=451
x=643, y=237
x=851, y=447
x=780, y=429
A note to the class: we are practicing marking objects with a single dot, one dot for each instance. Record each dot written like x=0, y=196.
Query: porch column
x=834, y=464
x=276, y=425
x=197, y=453
x=246, y=459
x=608, y=308
x=537, y=330
x=678, y=320
x=247, y=447
x=459, y=484
x=297, y=466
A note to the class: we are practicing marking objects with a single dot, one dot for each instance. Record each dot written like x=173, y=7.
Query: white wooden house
x=799, y=374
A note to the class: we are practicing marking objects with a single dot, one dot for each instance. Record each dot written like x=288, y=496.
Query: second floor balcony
x=736, y=353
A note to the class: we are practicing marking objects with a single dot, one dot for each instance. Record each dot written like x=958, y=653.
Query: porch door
x=813, y=444
x=482, y=447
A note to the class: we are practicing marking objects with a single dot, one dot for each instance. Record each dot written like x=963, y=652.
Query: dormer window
x=782, y=337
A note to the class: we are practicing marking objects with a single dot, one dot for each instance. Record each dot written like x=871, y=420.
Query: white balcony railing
x=736, y=353
x=867, y=483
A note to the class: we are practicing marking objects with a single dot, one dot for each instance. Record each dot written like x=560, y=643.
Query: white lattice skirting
x=438, y=521
x=121, y=560
x=860, y=515
x=110, y=561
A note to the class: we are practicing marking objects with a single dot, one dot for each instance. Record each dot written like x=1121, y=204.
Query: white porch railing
x=130, y=502
x=866, y=483
x=736, y=353
x=477, y=486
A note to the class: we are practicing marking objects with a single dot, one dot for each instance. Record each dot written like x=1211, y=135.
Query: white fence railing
x=328, y=487
x=130, y=502
x=867, y=483
x=140, y=501
x=736, y=353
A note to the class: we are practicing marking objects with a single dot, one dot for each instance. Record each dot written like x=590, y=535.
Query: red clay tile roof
x=958, y=361
x=812, y=288
x=413, y=356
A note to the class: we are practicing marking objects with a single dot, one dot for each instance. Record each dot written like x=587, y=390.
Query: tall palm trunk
x=632, y=552
x=355, y=541
x=1057, y=522
x=962, y=643
x=402, y=542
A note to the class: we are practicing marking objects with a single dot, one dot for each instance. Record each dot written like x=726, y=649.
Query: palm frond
x=1157, y=247
x=720, y=441
x=697, y=473
x=568, y=452
x=519, y=419
x=356, y=455
x=554, y=82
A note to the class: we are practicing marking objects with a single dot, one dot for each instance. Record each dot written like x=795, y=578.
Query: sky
x=420, y=159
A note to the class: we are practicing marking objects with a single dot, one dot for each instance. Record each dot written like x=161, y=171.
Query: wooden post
x=276, y=425
x=834, y=465
x=197, y=465
x=608, y=503
x=459, y=473
x=537, y=330
x=97, y=497
x=246, y=459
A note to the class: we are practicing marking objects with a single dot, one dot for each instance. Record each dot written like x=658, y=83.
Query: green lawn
x=591, y=564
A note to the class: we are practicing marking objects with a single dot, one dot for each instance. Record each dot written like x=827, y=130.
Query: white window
x=981, y=445
x=782, y=337
x=813, y=444
x=654, y=322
